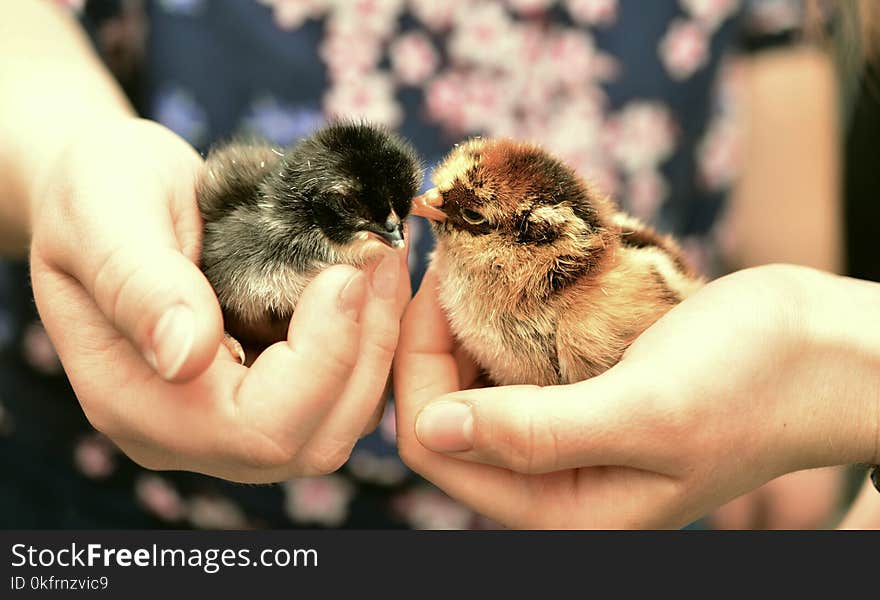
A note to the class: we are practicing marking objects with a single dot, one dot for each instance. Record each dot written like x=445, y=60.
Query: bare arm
x=786, y=206
x=52, y=85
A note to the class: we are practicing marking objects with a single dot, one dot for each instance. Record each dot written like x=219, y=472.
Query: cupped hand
x=725, y=392
x=138, y=327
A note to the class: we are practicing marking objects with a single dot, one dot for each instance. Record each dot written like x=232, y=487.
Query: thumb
x=120, y=216
x=533, y=430
x=164, y=305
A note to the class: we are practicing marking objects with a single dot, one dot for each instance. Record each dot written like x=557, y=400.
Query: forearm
x=786, y=204
x=52, y=86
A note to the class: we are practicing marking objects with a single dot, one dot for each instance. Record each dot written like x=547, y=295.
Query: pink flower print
x=572, y=56
x=370, y=97
x=530, y=7
x=575, y=128
x=645, y=192
x=444, y=100
x=436, y=15
x=94, y=456
x=215, y=512
x=592, y=12
x=774, y=16
x=428, y=508
x=718, y=154
x=684, y=48
x=530, y=43
x=291, y=14
x=323, y=500
x=349, y=55
x=413, y=58
x=39, y=351
x=370, y=18
x=711, y=13
x=640, y=136
x=158, y=496
x=485, y=36
x=731, y=85
x=484, y=100
x=603, y=178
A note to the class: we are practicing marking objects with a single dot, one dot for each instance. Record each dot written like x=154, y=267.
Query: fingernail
x=446, y=427
x=351, y=298
x=172, y=340
x=386, y=276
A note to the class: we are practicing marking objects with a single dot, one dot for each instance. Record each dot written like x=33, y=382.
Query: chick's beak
x=393, y=235
x=391, y=232
x=428, y=205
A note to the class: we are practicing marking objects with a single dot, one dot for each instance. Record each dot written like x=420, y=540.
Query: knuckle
x=525, y=443
x=257, y=450
x=530, y=443
x=382, y=340
x=340, y=362
x=116, y=279
x=328, y=457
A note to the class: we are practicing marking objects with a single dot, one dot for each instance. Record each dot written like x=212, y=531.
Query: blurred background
x=745, y=128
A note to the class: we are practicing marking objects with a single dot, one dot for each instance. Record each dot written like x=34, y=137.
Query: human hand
x=737, y=385
x=138, y=327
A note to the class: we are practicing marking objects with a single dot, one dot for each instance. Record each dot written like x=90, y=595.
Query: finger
x=162, y=302
x=530, y=429
x=294, y=385
x=424, y=367
x=389, y=286
x=135, y=268
x=424, y=370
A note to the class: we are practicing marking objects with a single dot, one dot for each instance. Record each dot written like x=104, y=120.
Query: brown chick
x=543, y=280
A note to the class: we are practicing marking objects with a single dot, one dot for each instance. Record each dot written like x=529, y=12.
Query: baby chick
x=544, y=281
x=275, y=218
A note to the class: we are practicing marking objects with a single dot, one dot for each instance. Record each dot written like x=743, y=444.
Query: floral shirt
x=637, y=96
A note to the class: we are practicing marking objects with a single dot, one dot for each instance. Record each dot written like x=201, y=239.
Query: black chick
x=274, y=218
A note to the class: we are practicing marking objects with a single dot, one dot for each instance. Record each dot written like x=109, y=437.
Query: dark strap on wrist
x=875, y=477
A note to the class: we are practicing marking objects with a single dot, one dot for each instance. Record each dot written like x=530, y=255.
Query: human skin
x=107, y=202
x=763, y=372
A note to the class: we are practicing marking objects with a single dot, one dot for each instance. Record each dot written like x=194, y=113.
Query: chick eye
x=472, y=216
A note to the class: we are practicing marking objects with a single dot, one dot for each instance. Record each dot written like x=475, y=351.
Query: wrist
x=835, y=337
